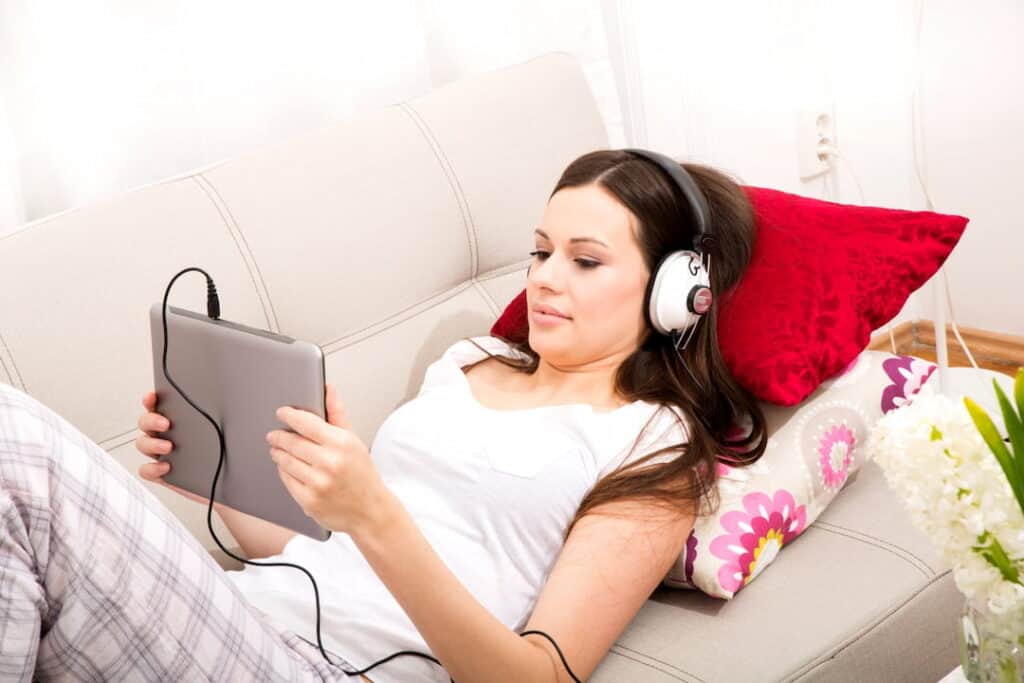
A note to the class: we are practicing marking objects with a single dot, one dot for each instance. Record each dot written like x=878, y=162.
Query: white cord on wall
x=825, y=151
x=940, y=312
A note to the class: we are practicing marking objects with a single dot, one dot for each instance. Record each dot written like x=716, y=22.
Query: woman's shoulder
x=656, y=426
x=460, y=353
x=475, y=348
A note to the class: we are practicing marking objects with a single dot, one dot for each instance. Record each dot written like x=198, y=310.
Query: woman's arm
x=256, y=537
x=470, y=642
x=614, y=558
x=605, y=573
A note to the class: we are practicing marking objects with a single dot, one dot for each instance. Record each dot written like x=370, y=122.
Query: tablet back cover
x=240, y=376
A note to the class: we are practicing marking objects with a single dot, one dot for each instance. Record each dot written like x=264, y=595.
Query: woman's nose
x=549, y=271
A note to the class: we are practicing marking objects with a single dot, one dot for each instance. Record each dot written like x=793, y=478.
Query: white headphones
x=679, y=292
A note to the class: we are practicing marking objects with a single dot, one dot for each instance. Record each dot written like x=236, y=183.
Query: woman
x=544, y=485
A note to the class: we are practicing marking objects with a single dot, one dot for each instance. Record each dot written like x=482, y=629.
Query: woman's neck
x=593, y=384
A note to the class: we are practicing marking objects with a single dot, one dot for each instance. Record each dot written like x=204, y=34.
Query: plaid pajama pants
x=100, y=581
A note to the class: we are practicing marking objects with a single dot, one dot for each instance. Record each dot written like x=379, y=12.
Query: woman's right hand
x=149, y=444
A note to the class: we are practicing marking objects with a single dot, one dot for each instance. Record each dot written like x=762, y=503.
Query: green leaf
x=995, y=443
x=1018, y=390
x=992, y=550
x=1016, y=431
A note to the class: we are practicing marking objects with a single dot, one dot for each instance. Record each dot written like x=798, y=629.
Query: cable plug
x=212, y=300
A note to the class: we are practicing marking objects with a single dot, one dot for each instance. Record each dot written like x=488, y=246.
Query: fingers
x=308, y=425
x=152, y=446
x=300, y=448
x=294, y=486
x=336, y=410
x=296, y=468
x=153, y=423
x=154, y=471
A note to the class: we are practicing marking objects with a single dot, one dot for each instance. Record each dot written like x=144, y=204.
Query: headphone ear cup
x=679, y=292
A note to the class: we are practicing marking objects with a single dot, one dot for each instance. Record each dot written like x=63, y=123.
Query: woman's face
x=603, y=302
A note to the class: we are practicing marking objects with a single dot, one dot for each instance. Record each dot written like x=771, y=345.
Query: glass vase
x=989, y=654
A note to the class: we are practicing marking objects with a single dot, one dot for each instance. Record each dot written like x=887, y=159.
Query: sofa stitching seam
x=17, y=372
x=229, y=221
x=829, y=526
x=925, y=573
x=248, y=248
x=486, y=297
x=648, y=664
x=453, y=180
x=396, y=320
x=824, y=659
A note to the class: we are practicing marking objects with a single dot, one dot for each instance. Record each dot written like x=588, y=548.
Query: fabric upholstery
x=384, y=238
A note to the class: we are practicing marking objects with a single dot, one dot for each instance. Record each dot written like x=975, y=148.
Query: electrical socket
x=815, y=126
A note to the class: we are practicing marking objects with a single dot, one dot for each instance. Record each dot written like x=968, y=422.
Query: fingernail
x=164, y=424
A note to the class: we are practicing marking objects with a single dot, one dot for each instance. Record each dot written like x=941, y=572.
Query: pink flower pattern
x=755, y=535
x=907, y=373
x=836, y=454
x=691, y=556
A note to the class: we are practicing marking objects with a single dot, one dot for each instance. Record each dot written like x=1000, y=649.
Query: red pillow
x=823, y=275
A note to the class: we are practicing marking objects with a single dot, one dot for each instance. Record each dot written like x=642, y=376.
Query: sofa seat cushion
x=860, y=596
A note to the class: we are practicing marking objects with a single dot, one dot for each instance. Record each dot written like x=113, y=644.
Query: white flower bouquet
x=963, y=484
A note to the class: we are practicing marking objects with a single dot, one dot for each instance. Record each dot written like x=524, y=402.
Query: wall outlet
x=815, y=126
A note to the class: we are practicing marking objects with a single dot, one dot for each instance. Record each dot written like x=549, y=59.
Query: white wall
x=100, y=96
x=722, y=83
x=973, y=122
x=107, y=95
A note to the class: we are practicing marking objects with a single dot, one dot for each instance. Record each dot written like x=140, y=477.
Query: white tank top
x=491, y=490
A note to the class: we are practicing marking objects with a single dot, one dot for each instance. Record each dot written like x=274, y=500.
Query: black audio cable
x=213, y=312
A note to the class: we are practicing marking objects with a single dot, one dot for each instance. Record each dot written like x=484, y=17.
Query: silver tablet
x=240, y=376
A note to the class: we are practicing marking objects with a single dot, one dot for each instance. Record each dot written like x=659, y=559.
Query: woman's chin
x=550, y=340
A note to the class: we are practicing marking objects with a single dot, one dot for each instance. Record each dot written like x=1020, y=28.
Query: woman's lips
x=546, y=318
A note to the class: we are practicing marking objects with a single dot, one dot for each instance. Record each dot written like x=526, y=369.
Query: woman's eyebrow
x=573, y=240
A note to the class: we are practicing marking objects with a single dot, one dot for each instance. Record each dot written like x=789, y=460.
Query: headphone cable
x=213, y=312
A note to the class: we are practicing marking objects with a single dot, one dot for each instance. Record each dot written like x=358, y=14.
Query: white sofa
x=384, y=238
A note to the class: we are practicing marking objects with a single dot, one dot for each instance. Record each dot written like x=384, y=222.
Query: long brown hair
x=654, y=371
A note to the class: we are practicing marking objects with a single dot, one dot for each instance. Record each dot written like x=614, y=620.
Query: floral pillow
x=814, y=449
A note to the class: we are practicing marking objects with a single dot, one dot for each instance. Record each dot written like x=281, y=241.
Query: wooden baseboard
x=992, y=350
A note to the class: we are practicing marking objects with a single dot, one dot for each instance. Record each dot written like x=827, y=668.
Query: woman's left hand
x=326, y=467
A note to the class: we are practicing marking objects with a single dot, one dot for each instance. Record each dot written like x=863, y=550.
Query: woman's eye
x=584, y=263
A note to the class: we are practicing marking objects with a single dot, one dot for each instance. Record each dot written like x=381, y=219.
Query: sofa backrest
x=383, y=238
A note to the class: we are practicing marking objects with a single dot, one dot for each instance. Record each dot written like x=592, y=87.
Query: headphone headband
x=703, y=240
